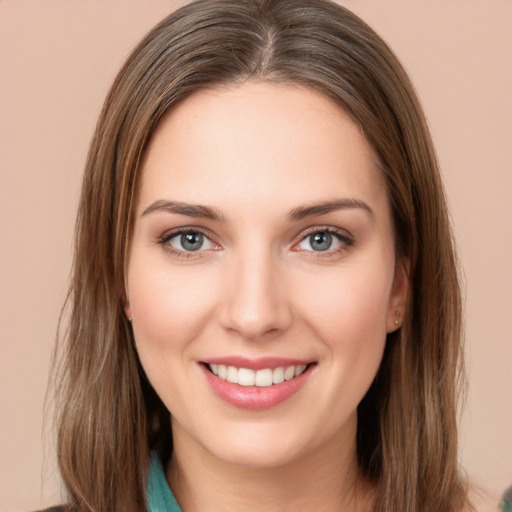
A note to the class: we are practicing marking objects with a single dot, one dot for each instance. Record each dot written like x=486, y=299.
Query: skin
x=255, y=153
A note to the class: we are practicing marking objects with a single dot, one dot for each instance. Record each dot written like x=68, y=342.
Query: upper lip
x=256, y=363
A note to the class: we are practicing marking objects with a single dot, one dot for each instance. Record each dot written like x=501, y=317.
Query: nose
x=256, y=304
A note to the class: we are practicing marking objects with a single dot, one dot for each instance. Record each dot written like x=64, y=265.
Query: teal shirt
x=160, y=498
x=506, y=503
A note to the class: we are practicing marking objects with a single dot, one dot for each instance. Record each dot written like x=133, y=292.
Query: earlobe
x=397, y=318
x=399, y=294
x=127, y=311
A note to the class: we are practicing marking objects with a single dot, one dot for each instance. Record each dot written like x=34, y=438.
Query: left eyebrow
x=191, y=210
x=302, y=212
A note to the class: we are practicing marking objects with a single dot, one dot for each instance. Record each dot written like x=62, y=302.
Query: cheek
x=344, y=312
x=169, y=306
x=347, y=310
x=356, y=300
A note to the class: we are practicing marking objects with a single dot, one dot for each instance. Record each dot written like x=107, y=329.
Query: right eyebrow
x=303, y=212
x=190, y=210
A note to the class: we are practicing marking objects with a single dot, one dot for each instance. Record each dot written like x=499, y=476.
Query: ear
x=126, y=301
x=399, y=294
x=127, y=310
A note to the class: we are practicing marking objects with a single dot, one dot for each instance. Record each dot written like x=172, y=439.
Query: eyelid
x=342, y=235
x=172, y=233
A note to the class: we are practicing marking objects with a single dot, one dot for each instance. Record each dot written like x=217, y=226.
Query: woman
x=265, y=308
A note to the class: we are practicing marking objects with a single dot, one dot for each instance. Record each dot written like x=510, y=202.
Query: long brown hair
x=108, y=416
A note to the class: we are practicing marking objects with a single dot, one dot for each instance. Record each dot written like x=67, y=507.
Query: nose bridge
x=256, y=303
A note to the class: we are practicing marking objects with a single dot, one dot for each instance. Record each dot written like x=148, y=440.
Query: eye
x=324, y=240
x=187, y=241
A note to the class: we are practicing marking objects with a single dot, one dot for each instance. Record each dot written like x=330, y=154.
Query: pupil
x=321, y=241
x=192, y=241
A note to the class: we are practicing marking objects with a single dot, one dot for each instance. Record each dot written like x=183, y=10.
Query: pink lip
x=253, y=397
x=256, y=364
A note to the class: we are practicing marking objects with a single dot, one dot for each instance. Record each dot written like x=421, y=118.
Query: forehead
x=259, y=141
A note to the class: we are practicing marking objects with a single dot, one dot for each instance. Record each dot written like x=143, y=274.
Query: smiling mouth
x=263, y=378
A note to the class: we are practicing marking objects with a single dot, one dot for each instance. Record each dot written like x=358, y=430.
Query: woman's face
x=263, y=254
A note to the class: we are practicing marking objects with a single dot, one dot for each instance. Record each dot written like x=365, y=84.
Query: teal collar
x=160, y=498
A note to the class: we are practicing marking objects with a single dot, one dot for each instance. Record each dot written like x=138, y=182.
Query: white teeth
x=299, y=369
x=261, y=378
x=246, y=377
x=278, y=375
x=232, y=374
x=289, y=373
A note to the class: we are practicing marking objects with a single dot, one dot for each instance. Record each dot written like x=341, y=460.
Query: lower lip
x=254, y=397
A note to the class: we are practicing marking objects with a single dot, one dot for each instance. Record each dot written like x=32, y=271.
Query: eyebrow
x=323, y=208
x=191, y=210
x=299, y=213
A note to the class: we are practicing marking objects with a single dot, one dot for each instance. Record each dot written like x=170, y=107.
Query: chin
x=255, y=457
x=259, y=449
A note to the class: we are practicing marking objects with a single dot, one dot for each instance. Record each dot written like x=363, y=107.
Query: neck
x=326, y=479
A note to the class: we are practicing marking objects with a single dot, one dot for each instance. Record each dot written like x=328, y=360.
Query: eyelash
x=342, y=236
x=165, y=238
x=346, y=240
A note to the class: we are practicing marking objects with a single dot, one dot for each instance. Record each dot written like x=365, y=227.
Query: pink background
x=57, y=60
